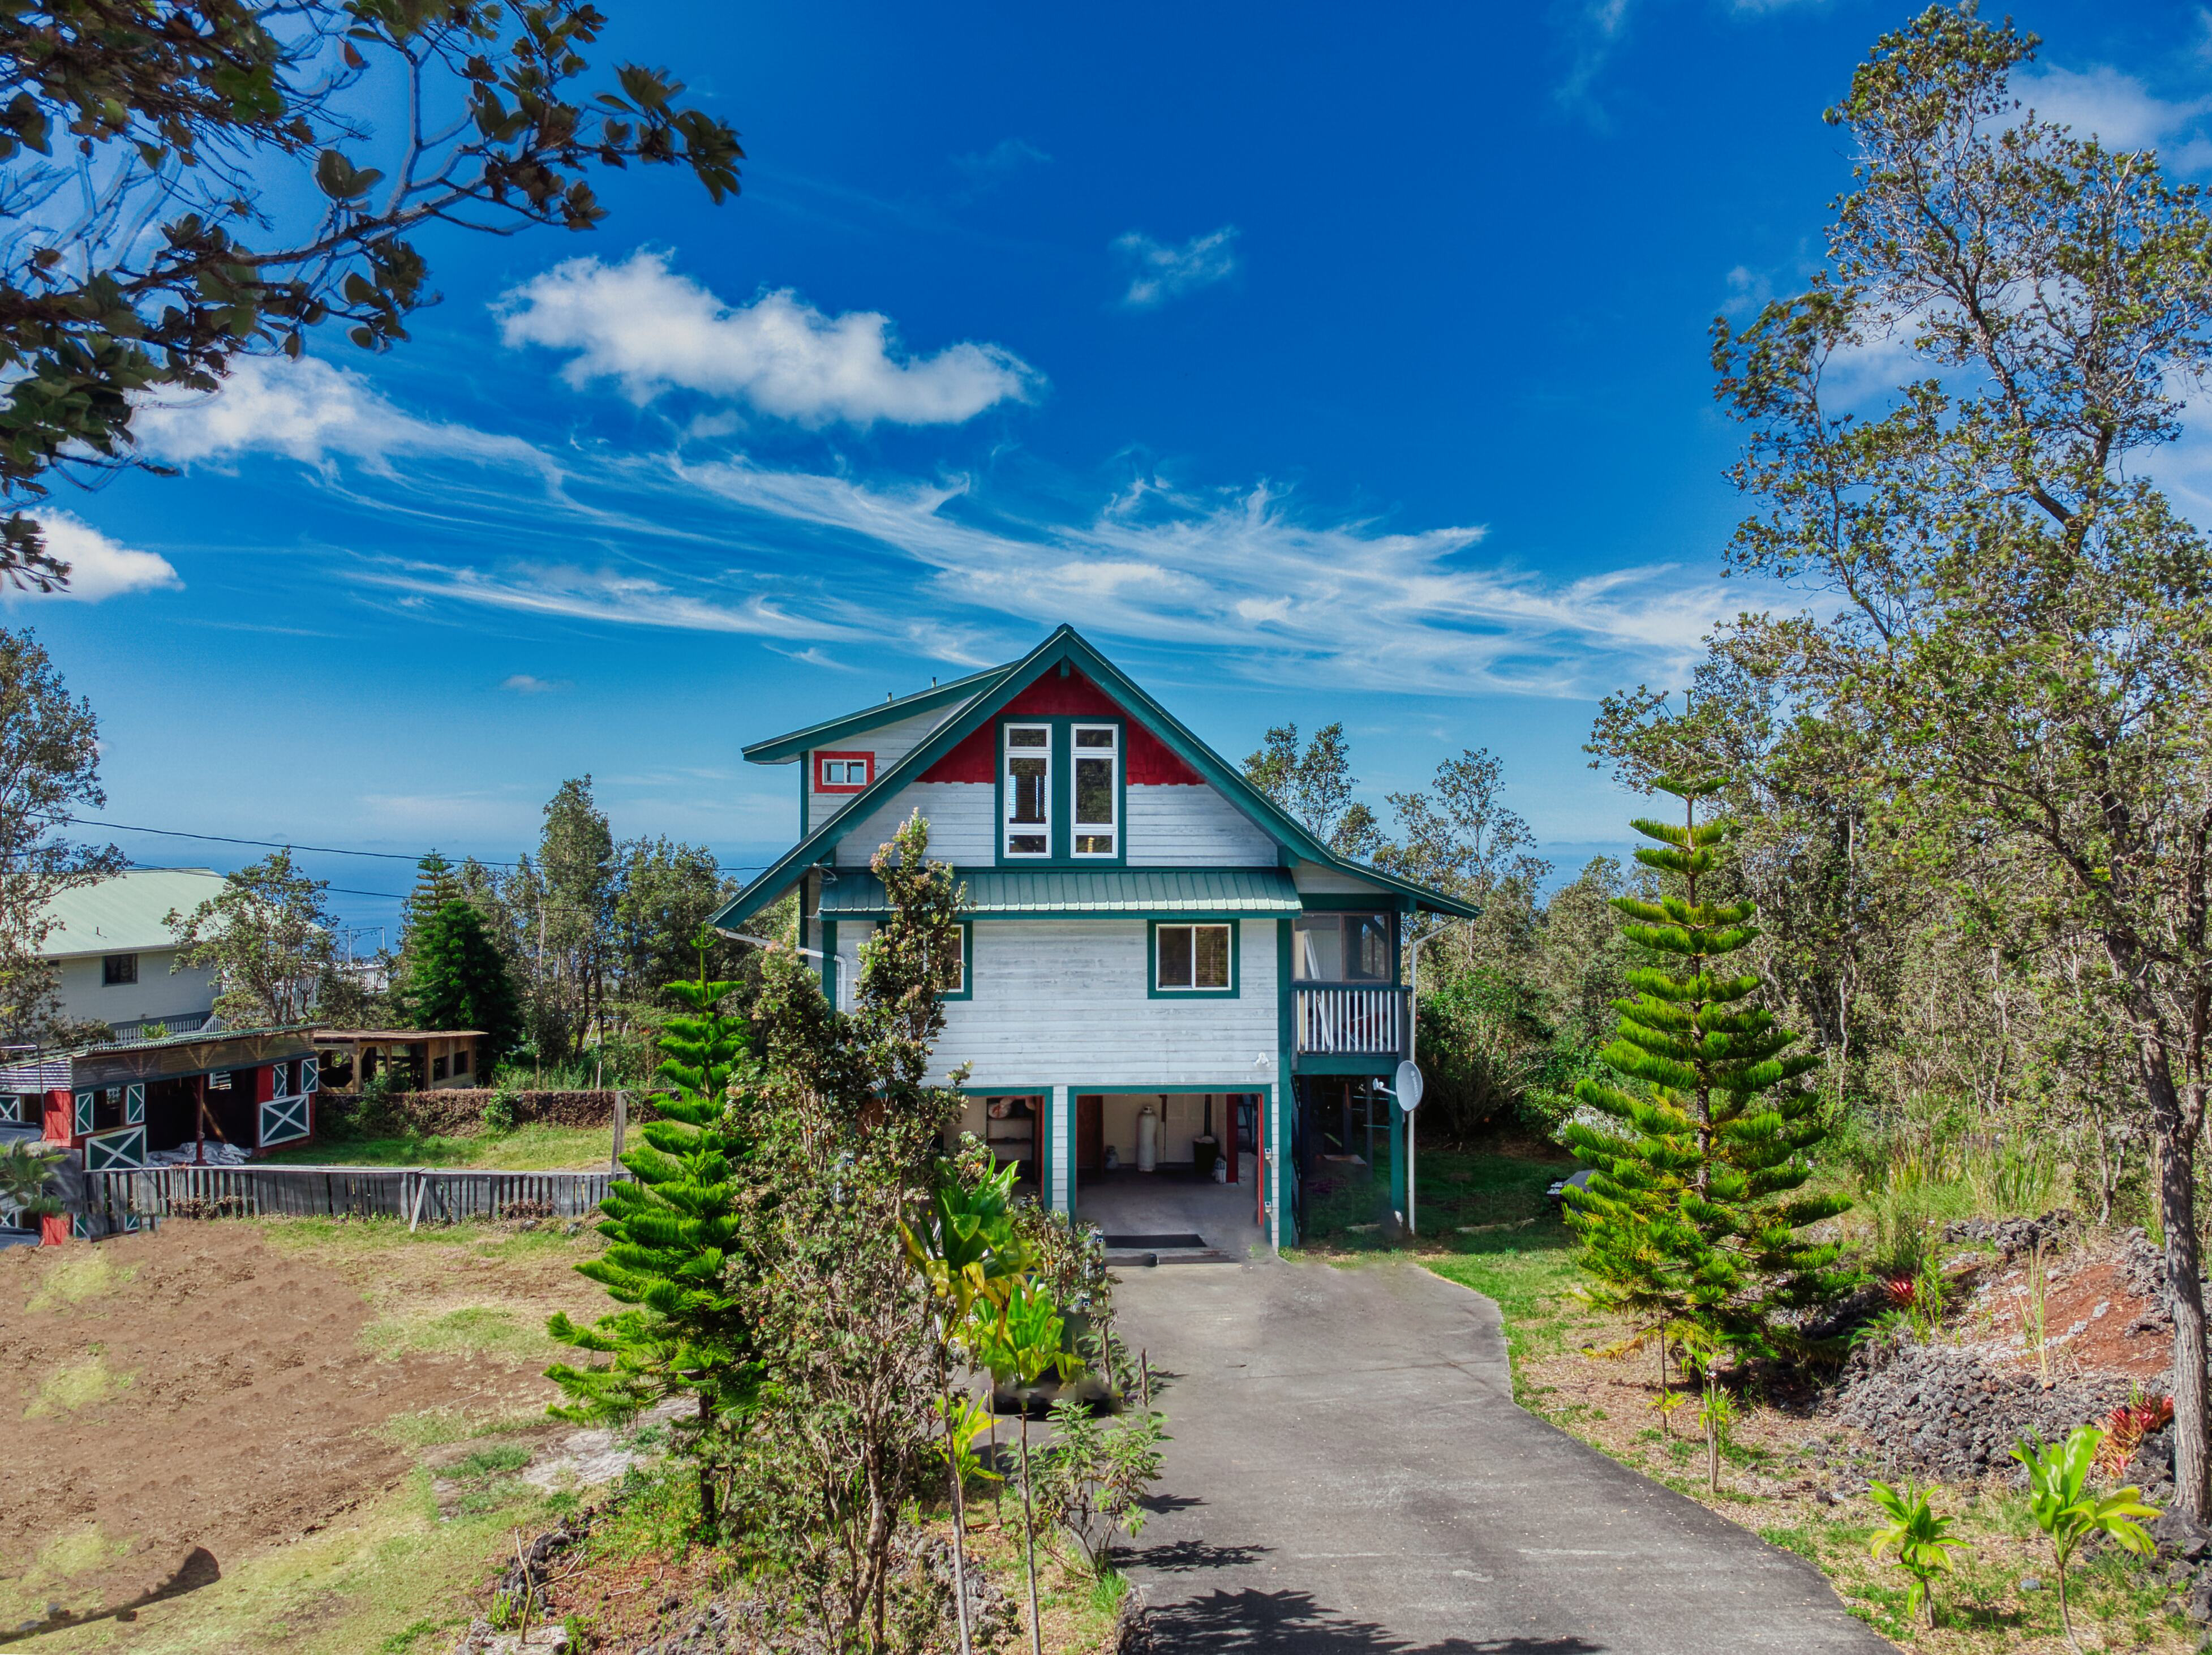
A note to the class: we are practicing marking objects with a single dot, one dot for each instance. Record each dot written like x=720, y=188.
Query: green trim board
x=829, y=961
x=1085, y=893
x=796, y=743
x=1061, y=819
x=1353, y=1063
x=1066, y=645
x=1227, y=921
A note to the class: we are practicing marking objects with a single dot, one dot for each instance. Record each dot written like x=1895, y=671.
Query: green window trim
x=967, y=988
x=1060, y=807
x=1187, y=921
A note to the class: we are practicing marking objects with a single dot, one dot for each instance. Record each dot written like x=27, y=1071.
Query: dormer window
x=1026, y=790
x=1097, y=789
x=843, y=772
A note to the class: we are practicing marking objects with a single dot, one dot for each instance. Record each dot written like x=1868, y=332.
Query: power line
x=336, y=850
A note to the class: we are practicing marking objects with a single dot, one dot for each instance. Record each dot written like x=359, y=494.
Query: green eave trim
x=1091, y=893
x=782, y=749
x=985, y=693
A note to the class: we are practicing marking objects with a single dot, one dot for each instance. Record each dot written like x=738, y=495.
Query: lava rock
x=1944, y=1412
x=2177, y=1535
x=2012, y=1237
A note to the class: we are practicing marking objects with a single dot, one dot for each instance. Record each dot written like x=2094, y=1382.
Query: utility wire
x=335, y=850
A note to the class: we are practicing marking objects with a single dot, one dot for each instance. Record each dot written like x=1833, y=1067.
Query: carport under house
x=1157, y=963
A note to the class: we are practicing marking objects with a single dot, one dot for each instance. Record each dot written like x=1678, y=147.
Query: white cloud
x=2119, y=110
x=100, y=567
x=1158, y=273
x=309, y=411
x=524, y=684
x=640, y=324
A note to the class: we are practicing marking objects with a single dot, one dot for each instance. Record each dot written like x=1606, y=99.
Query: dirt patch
x=219, y=1386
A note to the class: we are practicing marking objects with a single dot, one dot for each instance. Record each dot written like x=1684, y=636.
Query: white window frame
x=1008, y=793
x=1077, y=828
x=1193, y=987
x=845, y=764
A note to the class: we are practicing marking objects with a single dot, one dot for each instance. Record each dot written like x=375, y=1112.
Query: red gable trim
x=1152, y=762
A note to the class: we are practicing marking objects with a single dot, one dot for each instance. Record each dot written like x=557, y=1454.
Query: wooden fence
x=128, y=1198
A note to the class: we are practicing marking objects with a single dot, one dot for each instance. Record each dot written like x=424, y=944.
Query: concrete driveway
x=1349, y=1473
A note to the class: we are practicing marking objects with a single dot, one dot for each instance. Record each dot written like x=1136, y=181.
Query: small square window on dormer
x=843, y=772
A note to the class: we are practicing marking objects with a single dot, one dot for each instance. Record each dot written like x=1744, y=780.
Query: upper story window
x=1097, y=789
x=1027, y=790
x=1342, y=948
x=119, y=969
x=1199, y=958
x=843, y=772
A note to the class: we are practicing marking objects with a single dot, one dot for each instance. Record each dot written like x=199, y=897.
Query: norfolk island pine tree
x=672, y=1253
x=1690, y=1214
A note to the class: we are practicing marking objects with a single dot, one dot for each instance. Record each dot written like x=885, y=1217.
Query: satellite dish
x=1409, y=1086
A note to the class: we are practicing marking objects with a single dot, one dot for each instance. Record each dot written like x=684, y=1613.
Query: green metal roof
x=122, y=914
x=1010, y=892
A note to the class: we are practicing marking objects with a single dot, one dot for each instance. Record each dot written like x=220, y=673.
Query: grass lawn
x=527, y=1149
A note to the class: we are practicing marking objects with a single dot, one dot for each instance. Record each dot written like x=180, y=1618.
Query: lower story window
x=1193, y=958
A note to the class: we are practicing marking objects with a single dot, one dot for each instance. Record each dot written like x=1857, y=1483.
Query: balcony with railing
x=1351, y=1021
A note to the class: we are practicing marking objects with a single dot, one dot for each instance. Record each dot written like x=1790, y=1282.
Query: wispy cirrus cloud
x=1002, y=160
x=529, y=684
x=1158, y=272
x=652, y=331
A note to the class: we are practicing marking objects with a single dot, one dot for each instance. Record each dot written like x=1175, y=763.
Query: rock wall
x=1943, y=1411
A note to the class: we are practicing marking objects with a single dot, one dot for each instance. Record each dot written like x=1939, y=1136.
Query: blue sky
x=1318, y=365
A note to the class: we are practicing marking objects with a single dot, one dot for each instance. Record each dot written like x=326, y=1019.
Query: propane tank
x=1148, y=1139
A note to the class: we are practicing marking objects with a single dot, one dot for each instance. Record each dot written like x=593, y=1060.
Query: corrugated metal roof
x=1088, y=891
x=123, y=915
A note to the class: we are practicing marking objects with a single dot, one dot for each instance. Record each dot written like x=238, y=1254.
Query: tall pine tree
x=458, y=979
x=1693, y=1212
x=673, y=1255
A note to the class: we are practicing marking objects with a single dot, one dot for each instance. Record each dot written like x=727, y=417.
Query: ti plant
x=1026, y=1340
x=1920, y=1540
x=963, y=1244
x=2068, y=1514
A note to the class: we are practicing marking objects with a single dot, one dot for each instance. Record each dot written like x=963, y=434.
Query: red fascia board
x=822, y=755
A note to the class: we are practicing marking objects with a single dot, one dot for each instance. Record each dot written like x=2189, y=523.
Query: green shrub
x=499, y=1114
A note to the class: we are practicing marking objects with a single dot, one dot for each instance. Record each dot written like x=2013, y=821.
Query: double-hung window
x=1197, y=959
x=1097, y=751
x=1027, y=790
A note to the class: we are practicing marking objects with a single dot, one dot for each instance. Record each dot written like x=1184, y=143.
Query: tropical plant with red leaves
x=2126, y=1426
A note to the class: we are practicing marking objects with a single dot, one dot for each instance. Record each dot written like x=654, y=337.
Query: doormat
x=1155, y=1241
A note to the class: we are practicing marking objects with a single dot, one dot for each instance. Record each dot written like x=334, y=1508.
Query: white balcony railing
x=1351, y=1022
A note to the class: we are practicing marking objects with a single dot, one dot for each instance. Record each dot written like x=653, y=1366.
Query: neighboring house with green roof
x=1157, y=963
x=115, y=953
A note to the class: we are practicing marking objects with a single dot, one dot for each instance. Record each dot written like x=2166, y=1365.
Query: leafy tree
x=1316, y=786
x=1459, y=837
x=674, y=1254
x=1691, y=1215
x=2068, y=1514
x=663, y=894
x=561, y=902
x=1096, y=1471
x=2021, y=626
x=1920, y=1540
x=49, y=771
x=217, y=178
x=460, y=982
x=267, y=936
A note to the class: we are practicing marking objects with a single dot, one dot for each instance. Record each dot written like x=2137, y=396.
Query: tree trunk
x=1029, y=1537
x=959, y=1523
x=707, y=1506
x=2177, y=1203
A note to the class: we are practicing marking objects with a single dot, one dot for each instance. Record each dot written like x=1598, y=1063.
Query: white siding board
x=1312, y=877
x=1187, y=826
x=889, y=744
x=1062, y=1002
x=959, y=814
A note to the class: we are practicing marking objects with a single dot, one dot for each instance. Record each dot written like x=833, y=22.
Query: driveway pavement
x=1350, y=1475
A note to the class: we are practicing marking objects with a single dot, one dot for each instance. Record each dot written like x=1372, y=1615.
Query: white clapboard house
x=1145, y=932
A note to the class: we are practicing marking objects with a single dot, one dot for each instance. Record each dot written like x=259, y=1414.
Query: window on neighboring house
x=1341, y=948
x=1028, y=824
x=1192, y=958
x=437, y=1068
x=119, y=969
x=461, y=1061
x=280, y=1084
x=843, y=772
x=1097, y=789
